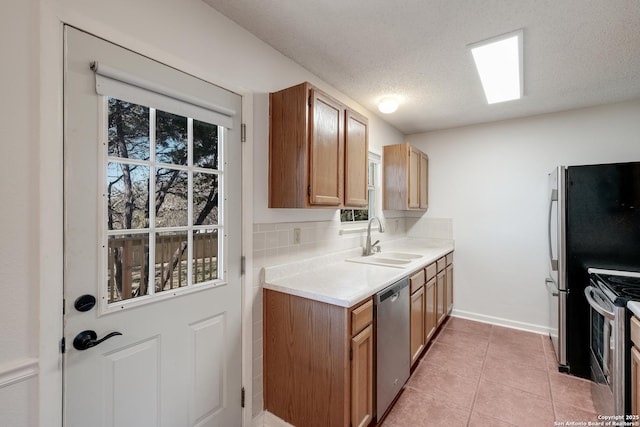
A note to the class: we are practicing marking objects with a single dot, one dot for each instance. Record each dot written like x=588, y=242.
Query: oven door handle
x=589, y=291
x=606, y=348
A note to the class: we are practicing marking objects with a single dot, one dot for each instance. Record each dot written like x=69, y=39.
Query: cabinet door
x=424, y=181
x=635, y=381
x=449, y=282
x=362, y=378
x=430, y=319
x=414, y=178
x=440, y=299
x=326, y=150
x=356, y=152
x=417, y=324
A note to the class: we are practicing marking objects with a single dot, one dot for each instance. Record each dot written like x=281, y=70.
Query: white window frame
x=152, y=296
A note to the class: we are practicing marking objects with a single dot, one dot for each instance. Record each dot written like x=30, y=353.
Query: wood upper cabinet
x=321, y=353
x=424, y=181
x=405, y=177
x=313, y=140
x=356, y=153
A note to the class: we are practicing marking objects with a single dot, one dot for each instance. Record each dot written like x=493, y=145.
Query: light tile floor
x=475, y=374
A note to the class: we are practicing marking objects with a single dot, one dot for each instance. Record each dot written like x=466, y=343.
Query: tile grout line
x=484, y=361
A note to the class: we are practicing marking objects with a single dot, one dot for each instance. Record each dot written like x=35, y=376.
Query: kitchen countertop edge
x=333, y=280
x=634, y=306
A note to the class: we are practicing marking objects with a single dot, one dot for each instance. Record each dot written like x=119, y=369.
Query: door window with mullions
x=162, y=201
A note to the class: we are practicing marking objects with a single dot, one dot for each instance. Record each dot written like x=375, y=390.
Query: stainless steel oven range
x=608, y=294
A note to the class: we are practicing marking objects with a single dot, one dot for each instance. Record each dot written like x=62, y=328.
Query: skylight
x=499, y=64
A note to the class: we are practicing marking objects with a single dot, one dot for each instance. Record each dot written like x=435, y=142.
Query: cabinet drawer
x=431, y=271
x=635, y=331
x=417, y=280
x=361, y=317
x=450, y=258
x=442, y=263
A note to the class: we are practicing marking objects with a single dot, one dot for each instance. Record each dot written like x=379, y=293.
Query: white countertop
x=334, y=280
x=634, y=306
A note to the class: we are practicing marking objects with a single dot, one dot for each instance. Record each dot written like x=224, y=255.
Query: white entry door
x=152, y=238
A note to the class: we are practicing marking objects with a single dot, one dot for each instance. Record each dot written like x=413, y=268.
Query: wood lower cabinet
x=362, y=378
x=430, y=315
x=635, y=364
x=449, y=284
x=318, y=151
x=441, y=293
x=318, y=361
x=417, y=324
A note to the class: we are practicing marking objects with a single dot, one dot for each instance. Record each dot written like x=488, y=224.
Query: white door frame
x=50, y=216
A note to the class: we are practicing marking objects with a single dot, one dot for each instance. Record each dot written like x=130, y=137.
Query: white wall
x=492, y=181
x=19, y=213
x=186, y=34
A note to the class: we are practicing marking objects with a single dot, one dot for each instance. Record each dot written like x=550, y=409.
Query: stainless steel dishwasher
x=392, y=344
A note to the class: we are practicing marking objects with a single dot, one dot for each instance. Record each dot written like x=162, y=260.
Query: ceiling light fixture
x=499, y=64
x=388, y=105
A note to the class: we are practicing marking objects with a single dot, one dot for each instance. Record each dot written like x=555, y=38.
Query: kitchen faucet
x=368, y=250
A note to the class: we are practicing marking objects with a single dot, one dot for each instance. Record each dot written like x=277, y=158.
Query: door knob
x=88, y=339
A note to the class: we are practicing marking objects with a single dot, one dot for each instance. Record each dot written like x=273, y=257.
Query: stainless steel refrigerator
x=594, y=221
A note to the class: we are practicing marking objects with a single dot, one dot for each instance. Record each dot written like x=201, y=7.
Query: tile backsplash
x=275, y=243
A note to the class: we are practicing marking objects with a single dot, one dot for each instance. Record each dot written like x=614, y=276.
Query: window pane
x=346, y=215
x=171, y=261
x=171, y=197
x=205, y=145
x=127, y=196
x=205, y=198
x=128, y=266
x=205, y=255
x=171, y=138
x=128, y=130
x=360, y=215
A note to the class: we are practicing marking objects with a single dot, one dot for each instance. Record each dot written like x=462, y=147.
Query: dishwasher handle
x=392, y=291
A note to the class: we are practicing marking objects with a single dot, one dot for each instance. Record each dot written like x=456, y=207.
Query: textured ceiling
x=577, y=53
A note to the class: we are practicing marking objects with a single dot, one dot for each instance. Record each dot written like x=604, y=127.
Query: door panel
x=327, y=151
x=132, y=371
x=152, y=231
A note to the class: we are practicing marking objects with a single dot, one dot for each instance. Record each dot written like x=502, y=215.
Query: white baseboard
x=18, y=371
x=498, y=321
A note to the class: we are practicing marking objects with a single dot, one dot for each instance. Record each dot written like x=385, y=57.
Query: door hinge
x=242, y=397
x=63, y=346
x=309, y=191
x=351, y=354
x=243, y=264
x=243, y=132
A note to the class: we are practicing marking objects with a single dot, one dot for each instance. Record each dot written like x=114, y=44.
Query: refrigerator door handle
x=553, y=198
x=551, y=287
